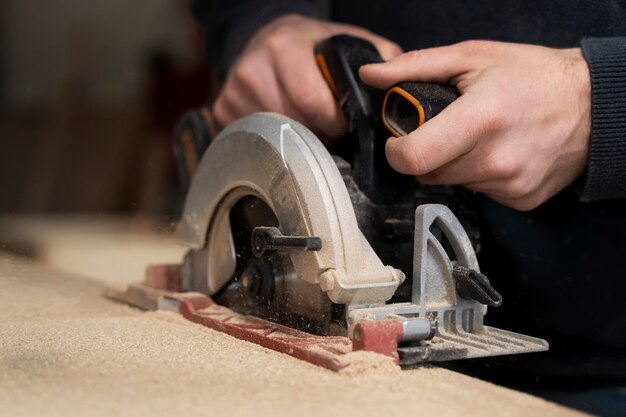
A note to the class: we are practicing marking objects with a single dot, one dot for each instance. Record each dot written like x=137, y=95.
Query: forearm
x=606, y=167
x=230, y=24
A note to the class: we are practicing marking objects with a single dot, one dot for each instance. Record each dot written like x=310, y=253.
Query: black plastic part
x=472, y=285
x=253, y=285
x=343, y=55
x=402, y=114
x=191, y=138
x=265, y=239
x=413, y=355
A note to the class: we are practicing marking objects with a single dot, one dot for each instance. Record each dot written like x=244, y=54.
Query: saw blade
x=260, y=286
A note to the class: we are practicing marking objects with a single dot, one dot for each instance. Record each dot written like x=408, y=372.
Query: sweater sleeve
x=231, y=23
x=606, y=168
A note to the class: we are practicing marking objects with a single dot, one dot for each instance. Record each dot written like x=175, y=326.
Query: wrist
x=577, y=72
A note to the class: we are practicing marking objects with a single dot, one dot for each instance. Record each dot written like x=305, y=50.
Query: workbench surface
x=67, y=350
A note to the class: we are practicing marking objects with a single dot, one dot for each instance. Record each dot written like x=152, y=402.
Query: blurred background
x=89, y=94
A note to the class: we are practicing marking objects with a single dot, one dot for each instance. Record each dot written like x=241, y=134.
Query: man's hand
x=520, y=130
x=277, y=72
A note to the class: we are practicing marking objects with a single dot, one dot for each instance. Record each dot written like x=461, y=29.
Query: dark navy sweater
x=561, y=267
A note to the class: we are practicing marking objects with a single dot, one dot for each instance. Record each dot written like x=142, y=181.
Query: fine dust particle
x=367, y=363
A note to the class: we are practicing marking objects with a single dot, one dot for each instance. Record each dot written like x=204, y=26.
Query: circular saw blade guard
x=283, y=163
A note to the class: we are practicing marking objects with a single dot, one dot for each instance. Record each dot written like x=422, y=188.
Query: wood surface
x=67, y=350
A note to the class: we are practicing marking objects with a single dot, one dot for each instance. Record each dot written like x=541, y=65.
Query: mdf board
x=66, y=350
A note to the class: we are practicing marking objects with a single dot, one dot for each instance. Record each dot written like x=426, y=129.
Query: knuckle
x=393, y=48
x=497, y=165
x=519, y=188
x=275, y=41
x=244, y=72
x=493, y=118
x=471, y=46
x=412, y=56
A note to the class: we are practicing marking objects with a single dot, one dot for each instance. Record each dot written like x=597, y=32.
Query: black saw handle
x=193, y=134
x=368, y=111
x=405, y=106
x=339, y=59
x=409, y=105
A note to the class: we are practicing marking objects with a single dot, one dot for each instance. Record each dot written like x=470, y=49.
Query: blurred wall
x=80, y=128
x=52, y=49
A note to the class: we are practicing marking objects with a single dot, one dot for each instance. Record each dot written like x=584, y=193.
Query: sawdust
x=65, y=350
x=367, y=363
x=357, y=363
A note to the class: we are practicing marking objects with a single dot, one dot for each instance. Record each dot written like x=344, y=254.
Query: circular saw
x=273, y=223
x=316, y=255
x=273, y=229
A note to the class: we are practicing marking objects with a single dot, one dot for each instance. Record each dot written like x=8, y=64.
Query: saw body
x=316, y=255
x=284, y=167
x=266, y=175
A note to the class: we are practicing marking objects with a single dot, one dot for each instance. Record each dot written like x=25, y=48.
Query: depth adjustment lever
x=472, y=285
x=271, y=239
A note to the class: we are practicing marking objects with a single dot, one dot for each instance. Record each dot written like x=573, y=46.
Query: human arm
x=531, y=121
x=519, y=133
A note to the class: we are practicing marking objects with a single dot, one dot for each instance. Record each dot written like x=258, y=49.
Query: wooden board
x=66, y=350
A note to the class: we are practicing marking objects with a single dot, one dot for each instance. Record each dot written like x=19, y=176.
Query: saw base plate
x=159, y=291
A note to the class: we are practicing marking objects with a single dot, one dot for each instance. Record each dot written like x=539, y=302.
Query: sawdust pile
x=364, y=363
x=65, y=350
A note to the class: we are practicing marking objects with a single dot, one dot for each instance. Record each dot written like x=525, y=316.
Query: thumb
x=428, y=65
x=442, y=139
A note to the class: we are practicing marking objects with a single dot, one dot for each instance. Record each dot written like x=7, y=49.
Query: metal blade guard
x=282, y=164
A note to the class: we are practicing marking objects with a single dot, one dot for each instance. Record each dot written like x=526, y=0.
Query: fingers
x=482, y=140
x=277, y=72
x=442, y=139
x=435, y=64
x=489, y=160
x=307, y=91
x=234, y=103
x=258, y=83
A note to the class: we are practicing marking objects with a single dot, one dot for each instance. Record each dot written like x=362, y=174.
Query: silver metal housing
x=279, y=161
x=283, y=163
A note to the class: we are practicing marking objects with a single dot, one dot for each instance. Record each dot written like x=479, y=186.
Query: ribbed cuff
x=606, y=169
